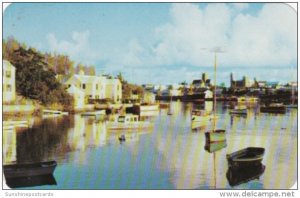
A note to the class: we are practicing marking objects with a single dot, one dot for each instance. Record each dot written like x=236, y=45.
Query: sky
x=164, y=43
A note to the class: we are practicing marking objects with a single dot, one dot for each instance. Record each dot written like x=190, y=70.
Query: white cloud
x=240, y=6
x=269, y=38
x=77, y=48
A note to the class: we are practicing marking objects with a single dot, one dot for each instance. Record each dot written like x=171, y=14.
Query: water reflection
x=31, y=181
x=239, y=175
x=169, y=156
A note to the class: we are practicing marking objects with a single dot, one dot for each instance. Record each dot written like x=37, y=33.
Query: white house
x=113, y=89
x=93, y=87
x=9, y=81
x=78, y=96
x=96, y=87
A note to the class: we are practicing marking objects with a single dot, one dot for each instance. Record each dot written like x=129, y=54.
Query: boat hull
x=215, y=136
x=273, y=109
x=239, y=111
x=201, y=121
x=246, y=157
x=128, y=126
x=237, y=176
x=29, y=170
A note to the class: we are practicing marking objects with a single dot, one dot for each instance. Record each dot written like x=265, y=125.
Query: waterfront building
x=96, y=87
x=78, y=97
x=9, y=82
x=113, y=89
x=149, y=97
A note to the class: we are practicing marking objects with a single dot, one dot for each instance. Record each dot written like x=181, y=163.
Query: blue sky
x=163, y=42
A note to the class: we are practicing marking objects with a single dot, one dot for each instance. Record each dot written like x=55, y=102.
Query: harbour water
x=168, y=156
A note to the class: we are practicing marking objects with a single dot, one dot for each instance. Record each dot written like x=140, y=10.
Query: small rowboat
x=246, y=157
x=29, y=170
x=237, y=176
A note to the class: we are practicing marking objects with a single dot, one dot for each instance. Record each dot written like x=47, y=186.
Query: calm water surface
x=168, y=156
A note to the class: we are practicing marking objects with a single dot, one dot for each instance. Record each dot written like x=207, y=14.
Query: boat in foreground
x=128, y=121
x=246, y=157
x=237, y=176
x=29, y=170
x=31, y=181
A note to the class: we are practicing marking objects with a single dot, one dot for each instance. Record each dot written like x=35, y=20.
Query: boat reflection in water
x=31, y=181
x=237, y=175
x=213, y=147
x=34, y=174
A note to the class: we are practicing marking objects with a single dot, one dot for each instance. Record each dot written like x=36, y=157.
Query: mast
x=215, y=86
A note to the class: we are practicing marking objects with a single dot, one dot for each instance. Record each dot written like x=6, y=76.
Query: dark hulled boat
x=246, y=157
x=273, y=108
x=237, y=176
x=29, y=170
x=31, y=181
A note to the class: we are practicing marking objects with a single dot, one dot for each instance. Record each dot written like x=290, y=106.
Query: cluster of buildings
x=83, y=88
x=87, y=89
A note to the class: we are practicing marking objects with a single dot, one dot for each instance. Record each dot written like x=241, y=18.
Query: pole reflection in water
x=169, y=156
x=213, y=147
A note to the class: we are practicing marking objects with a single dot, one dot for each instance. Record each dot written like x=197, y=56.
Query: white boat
x=149, y=107
x=239, y=110
x=93, y=113
x=201, y=118
x=128, y=121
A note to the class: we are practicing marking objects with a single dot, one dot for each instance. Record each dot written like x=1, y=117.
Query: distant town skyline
x=164, y=43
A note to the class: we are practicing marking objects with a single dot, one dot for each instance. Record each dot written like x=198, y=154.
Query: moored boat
x=201, y=118
x=241, y=110
x=273, y=108
x=30, y=181
x=237, y=176
x=128, y=121
x=29, y=170
x=247, y=99
x=246, y=157
x=214, y=136
x=94, y=113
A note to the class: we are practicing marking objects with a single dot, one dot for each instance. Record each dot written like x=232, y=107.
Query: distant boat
x=201, y=118
x=122, y=138
x=241, y=110
x=29, y=170
x=148, y=107
x=94, y=113
x=128, y=121
x=246, y=157
x=237, y=176
x=214, y=136
x=273, y=108
x=213, y=147
x=247, y=99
